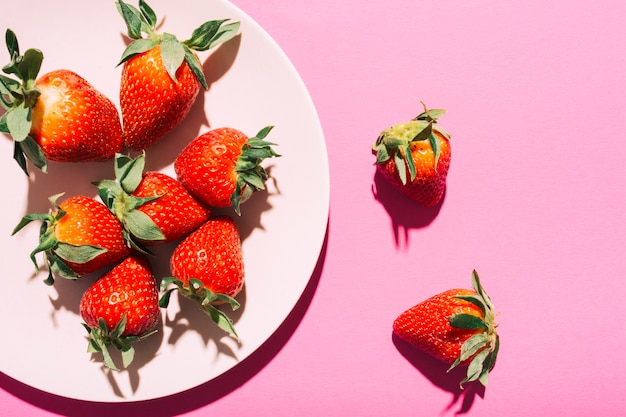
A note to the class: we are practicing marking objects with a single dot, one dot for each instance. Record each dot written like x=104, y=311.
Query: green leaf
x=78, y=254
x=423, y=133
x=30, y=65
x=400, y=165
x=467, y=321
x=476, y=300
x=128, y=354
x=138, y=47
x=172, y=53
x=133, y=19
x=140, y=225
x=19, y=121
x=470, y=347
x=148, y=14
x=221, y=319
x=11, y=42
x=129, y=171
x=475, y=368
x=434, y=144
x=195, y=66
x=32, y=151
x=212, y=33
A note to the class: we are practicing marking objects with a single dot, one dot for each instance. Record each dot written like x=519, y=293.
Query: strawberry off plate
x=251, y=84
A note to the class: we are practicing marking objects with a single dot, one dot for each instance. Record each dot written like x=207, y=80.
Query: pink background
x=535, y=202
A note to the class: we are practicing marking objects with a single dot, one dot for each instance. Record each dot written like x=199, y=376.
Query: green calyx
x=251, y=176
x=395, y=142
x=205, y=298
x=173, y=51
x=117, y=196
x=18, y=95
x=56, y=253
x=482, y=346
x=101, y=340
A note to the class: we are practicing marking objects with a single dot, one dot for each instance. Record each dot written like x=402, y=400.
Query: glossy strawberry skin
x=129, y=288
x=211, y=254
x=152, y=103
x=456, y=326
x=176, y=213
x=429, y=184
x=89, y=222
x=72, y=121
x=206, y=167
x=426, y=325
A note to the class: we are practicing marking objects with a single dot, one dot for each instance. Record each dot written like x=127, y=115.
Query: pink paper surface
x=535, y=203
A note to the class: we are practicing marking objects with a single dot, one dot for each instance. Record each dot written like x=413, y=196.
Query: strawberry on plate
x=207, y=267
x=153, y=207
x=78, y=236
x=161, y=76
x=58, y=116
x=121, y=308
x=222, y=167
x=414, y=157
x=456, y=326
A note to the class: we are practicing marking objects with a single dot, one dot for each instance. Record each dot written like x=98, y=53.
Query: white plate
x=252, y=84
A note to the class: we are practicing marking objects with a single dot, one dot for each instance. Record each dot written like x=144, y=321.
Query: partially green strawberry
x=456, y=326
x=121, y=308
x=222, y=167
x=414, y=157
x=153, y=207
x=161, y=76
x=57, y=117
x=77, y=237
x=207, y=267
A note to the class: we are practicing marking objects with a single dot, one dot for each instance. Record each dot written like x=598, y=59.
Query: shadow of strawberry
x=404, y=213
x=437, y=373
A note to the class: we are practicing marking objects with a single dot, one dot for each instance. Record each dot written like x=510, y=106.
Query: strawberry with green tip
x=222, y=167
x=414, y=157
x=57, y=117
x=121, y=308
x=161, y=76
x=207, y=267
x=153, y=207
x=77, y=237
x=456, y=326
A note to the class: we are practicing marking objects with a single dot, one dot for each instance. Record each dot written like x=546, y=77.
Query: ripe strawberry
x=222, y=167
x=456, y=326
x=121, y=308
x=58, y=117
x=153, y=207
x=207, y=267
x=77, y=237
x=422, y=176
x=161, y=76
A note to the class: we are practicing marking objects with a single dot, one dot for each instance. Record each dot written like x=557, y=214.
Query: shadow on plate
x=437, y=373
x=189, y=400
x=403, y=212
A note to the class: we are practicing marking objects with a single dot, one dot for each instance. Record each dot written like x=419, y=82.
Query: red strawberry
x=456, y=326
x=161, y=76
x=121, y=308
x=207, y=266
x=222, y=167
x=78, y=237
x=422, y=176
x=153, y=207
x=60, y=117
